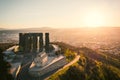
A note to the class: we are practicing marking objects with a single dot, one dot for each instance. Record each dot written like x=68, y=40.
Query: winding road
x=67, y=65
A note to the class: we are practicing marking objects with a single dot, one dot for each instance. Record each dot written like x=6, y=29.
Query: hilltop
x=92, y=65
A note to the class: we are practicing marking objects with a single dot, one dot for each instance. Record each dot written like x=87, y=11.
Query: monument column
x=22, y=41
x=29, y=42
x=40, y=42
x=47, y=42
x=26, y=43
x=34, y=42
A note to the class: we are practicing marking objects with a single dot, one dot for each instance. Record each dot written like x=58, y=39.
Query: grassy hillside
x=67, y=50
x=92, y=65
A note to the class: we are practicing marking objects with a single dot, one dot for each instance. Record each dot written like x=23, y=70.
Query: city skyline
x=16, y=14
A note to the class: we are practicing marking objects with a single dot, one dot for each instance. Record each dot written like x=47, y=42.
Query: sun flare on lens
x=94, y=19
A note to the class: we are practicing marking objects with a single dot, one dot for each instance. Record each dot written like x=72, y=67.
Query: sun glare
x=94, y=19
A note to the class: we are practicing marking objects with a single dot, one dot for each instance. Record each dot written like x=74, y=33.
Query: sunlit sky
x=59, y=13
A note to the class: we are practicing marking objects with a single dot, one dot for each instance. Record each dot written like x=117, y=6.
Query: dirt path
x=72, y=62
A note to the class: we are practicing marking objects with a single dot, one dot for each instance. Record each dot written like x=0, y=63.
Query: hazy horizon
x=58, y=28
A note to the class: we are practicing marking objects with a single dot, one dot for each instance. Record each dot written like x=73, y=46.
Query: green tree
x=73, y=73
x=70, y=55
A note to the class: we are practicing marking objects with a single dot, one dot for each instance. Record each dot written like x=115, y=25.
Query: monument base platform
x=52, y=64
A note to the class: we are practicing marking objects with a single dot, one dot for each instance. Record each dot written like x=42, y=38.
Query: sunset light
x=17, y=14
x=94, y=19
x=60, y=39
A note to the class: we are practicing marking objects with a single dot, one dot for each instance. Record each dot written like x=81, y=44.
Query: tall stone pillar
x=21, y=41
x=40, y=42
x=47, y=42
x=29, y=42
x=26, y=43
x=34, y=42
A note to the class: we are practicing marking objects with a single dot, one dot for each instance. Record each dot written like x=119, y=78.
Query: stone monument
x=33, y=42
